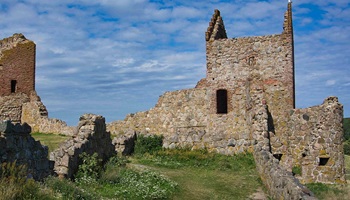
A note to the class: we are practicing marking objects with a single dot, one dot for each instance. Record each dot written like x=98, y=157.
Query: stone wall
x=23, y=108
x=91, y=137
x=16, y=144
x=17, y=65
x=11, y=106
x=280, y=183
x=315, y=143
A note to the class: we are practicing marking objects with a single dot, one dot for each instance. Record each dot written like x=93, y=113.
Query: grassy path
x=202, y=183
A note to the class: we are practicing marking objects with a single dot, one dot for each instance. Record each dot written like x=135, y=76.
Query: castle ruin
x=219, y=114
x=246, y=103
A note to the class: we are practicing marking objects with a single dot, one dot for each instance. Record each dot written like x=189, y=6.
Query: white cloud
x=330, y=82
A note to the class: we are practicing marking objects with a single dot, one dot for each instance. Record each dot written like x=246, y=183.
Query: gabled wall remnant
x=16, y=144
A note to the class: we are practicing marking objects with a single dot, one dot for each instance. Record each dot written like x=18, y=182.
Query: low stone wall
x=91, y=136
x=280, y=183
x=16, y=144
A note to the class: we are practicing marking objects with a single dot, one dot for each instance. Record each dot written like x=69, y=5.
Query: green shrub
x=148, y=144
x=144, y=185
x=112, y=169
x=90, y=169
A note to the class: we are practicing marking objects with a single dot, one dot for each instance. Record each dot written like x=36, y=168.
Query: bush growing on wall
x=90, y=168
x=148, y=144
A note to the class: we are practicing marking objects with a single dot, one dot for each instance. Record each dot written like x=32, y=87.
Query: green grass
x=52, y=141
x=203, y=175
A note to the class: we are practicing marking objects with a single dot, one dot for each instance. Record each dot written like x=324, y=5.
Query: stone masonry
x=315, y=143
x=280, y=183
x=91, y=136
x=219, y=113
x=16, y=144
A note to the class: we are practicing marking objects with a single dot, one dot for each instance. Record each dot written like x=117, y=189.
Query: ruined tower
x=17, y=65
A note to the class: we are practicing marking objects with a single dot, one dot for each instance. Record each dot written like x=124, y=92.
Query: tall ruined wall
x=251, y=70
x=16, y=144
x=17, y=65
x=315, y=142
x=91, y=137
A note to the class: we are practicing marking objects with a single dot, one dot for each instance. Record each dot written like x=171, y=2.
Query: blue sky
x=114, y=57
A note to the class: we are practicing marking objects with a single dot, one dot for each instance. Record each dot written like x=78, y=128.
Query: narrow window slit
x=13, y=86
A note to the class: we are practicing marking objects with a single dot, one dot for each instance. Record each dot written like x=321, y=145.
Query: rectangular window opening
x=13, y=86
x=221, y=101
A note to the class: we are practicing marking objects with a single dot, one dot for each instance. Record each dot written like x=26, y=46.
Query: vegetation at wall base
x=148, y=144
x=328, y=191
x=14, y=184
x=164, y=174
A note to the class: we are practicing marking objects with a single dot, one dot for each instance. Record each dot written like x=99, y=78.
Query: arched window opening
x=221, y=101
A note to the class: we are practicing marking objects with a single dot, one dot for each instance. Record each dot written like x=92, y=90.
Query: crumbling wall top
x=288, y=22
x=10, y=42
